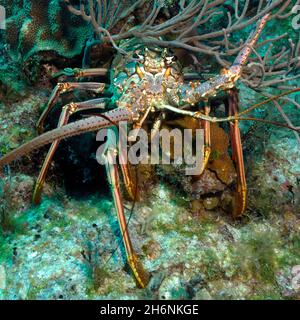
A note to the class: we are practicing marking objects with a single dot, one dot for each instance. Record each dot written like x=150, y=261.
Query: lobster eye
x=138, y=56
x=169, y=60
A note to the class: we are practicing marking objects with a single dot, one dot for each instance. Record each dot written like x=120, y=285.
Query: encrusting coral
x=38, y=26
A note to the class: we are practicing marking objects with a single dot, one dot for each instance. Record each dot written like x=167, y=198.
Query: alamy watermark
x=178, y=147
x=296, y=19
x=2, y=18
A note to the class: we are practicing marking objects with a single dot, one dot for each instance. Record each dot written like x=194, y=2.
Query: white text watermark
x=2, y=18
x=178, y=147
x=296, y=18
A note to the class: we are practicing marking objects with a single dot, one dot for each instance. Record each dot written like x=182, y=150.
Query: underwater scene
x=149, y=149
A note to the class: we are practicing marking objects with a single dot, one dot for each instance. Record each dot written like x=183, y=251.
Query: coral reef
x=62, y=250
x=38, y=26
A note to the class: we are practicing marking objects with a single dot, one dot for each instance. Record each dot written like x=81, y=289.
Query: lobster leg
x=67, y=87
x=129, y=182
x=81, y=73
x=239, y=204
x=141, y=276
x=207, y=142
x=67, y=110
x=91, y=72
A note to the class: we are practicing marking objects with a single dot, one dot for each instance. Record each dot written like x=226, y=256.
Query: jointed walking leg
x=239, y=205
x=140, y=274
x=67, y=110
x=81, y=73
x=67, y=87
x=207, y=139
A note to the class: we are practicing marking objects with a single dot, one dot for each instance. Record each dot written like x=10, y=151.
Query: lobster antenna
x=278, y=124
x=268, y=100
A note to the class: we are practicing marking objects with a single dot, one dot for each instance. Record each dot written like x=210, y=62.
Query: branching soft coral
x=199, y=26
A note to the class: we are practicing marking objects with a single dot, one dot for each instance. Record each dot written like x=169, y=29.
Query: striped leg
x=67, y=87
x=239, y=205
x=141, y=276
x=67, y=111
x=129, y=182
x=81, y=73
x=207, y=139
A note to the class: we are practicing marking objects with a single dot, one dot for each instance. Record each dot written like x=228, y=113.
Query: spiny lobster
x=154, y=84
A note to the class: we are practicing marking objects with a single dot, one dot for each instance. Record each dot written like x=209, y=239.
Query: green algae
x=6, y=255
x=256, y=255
